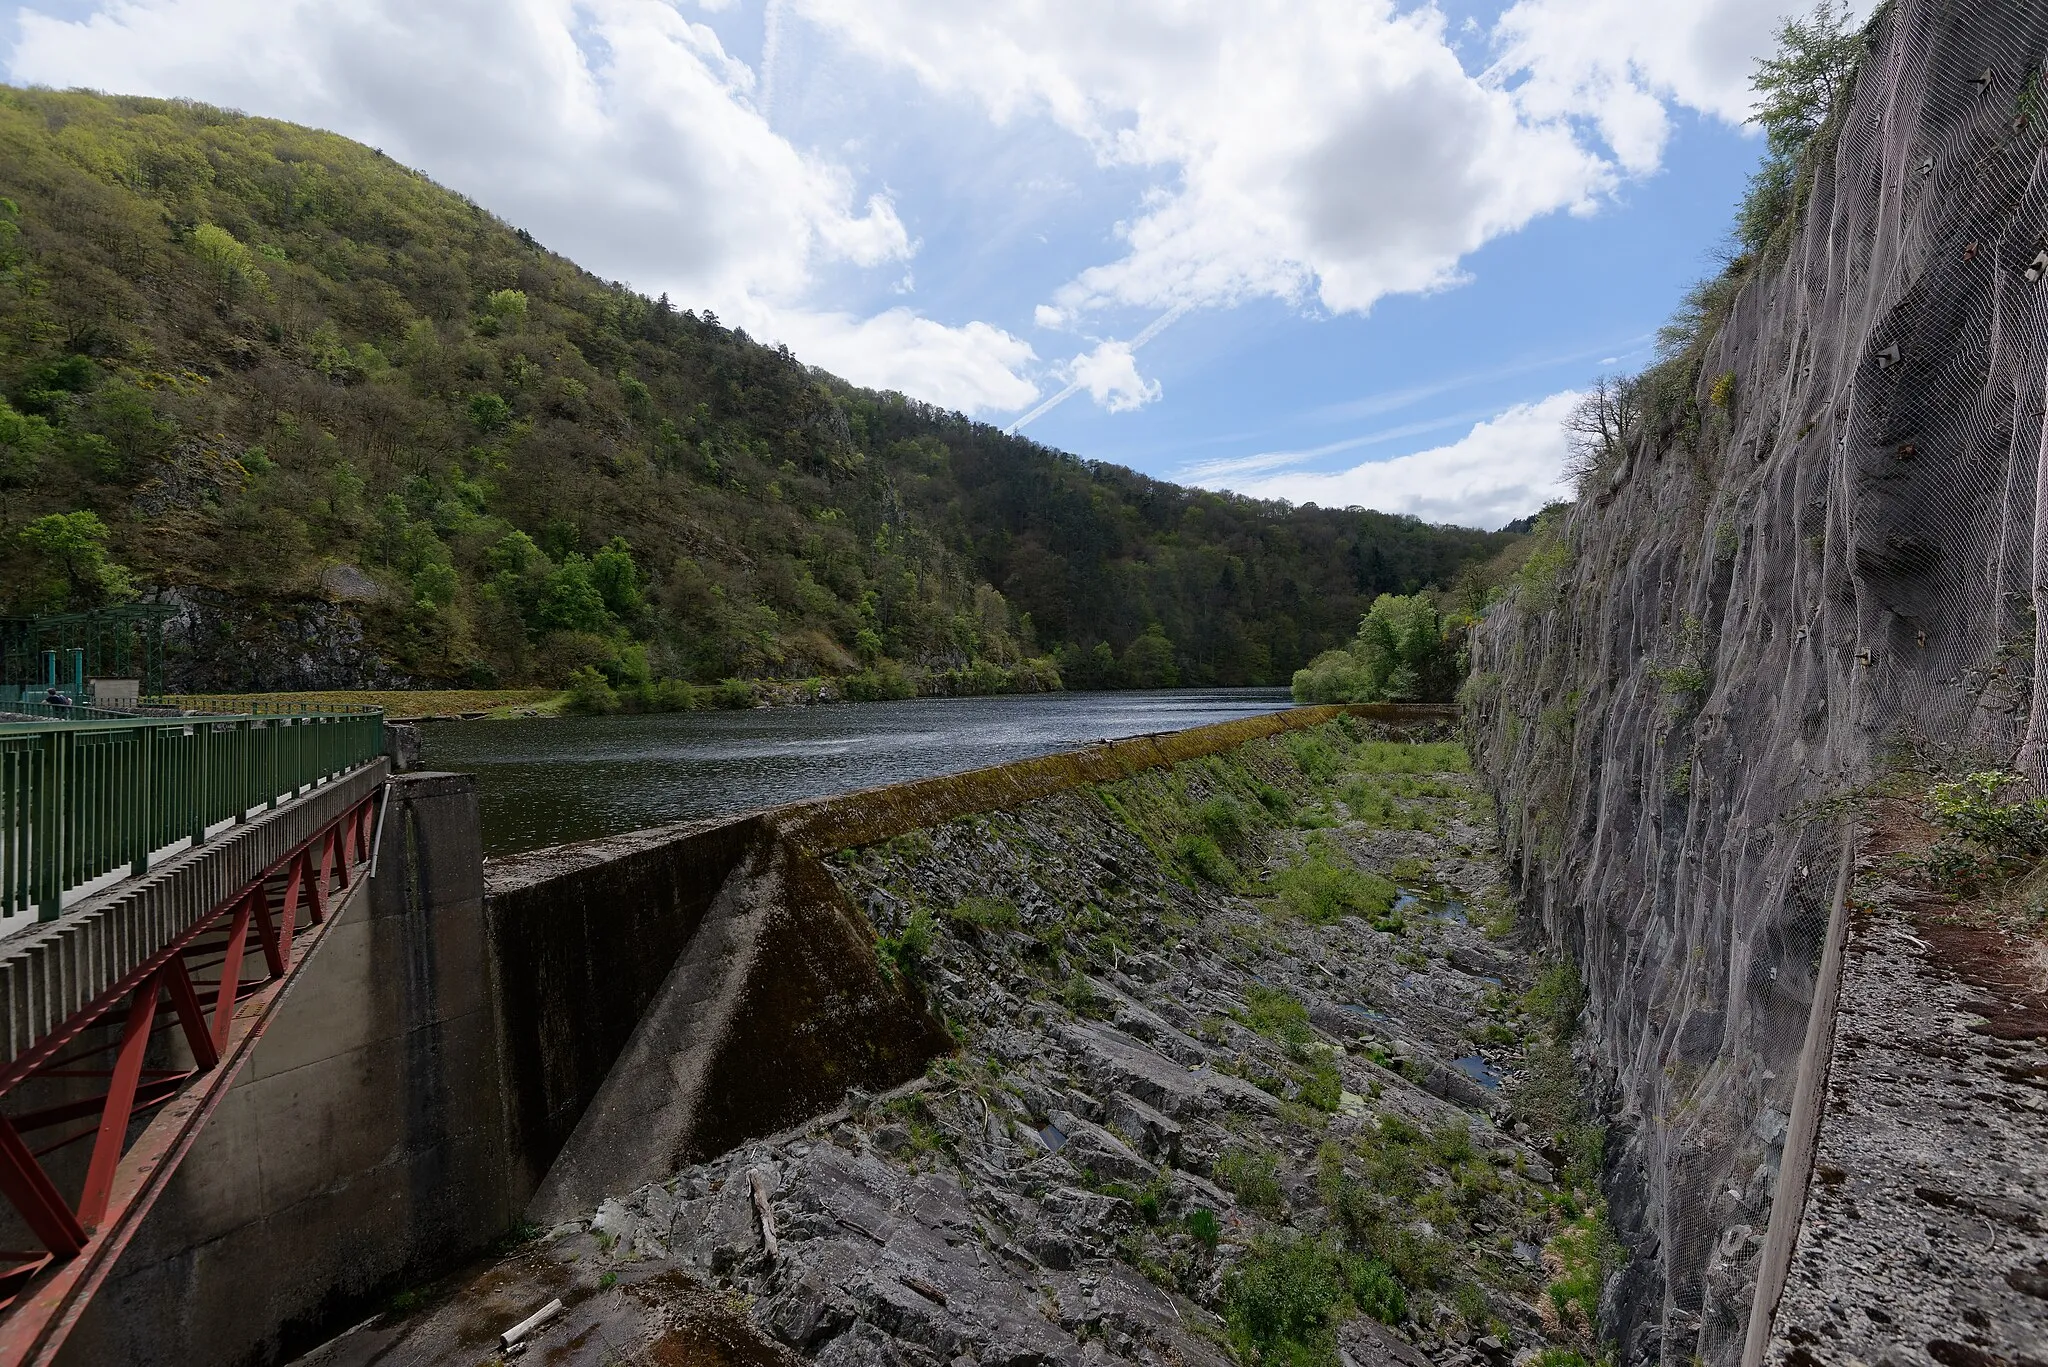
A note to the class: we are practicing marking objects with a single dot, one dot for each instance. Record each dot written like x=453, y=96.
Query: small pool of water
x=1480, y=1071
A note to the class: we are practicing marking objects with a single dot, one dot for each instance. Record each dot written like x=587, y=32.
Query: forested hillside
x=300, y=386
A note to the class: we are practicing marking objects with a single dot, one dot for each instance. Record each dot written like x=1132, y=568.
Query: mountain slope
x=361, y=431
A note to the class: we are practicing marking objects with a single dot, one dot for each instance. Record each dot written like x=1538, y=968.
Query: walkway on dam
x=162, y=879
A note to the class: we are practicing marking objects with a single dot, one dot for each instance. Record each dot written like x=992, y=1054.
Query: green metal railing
x=82, y=799
x=241, y=706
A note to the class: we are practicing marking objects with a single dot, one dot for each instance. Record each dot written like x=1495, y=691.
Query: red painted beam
x=43, y=1294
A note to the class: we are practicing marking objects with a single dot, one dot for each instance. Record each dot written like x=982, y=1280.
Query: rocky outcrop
x=223, y=643
x=1830, y=550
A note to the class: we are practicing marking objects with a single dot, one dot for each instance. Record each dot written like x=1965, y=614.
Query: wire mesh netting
x=1793, y=579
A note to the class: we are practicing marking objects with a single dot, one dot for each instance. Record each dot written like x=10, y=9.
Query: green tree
x=1808, y=75
x=1797, y=87
x=1148, y=661
x=24, y=438
x=232, y=265
x=617, y=579
x=489, y=413
x=571, y=601
x=71, y=554
x=507, y=306
x=1399, y=655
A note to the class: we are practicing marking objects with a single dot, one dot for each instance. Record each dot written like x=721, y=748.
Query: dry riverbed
x=1252, y=1067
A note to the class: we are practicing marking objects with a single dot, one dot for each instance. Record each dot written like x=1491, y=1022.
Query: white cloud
x=1110, y=375
x=976, y=368
x=1621, y=62
x=1331, y=151
x=1504, y=468
x=617, y=131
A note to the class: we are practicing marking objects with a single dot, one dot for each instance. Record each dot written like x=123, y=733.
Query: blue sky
x=1369, y=251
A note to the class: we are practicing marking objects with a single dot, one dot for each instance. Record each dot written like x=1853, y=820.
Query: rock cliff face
x=1831, y=550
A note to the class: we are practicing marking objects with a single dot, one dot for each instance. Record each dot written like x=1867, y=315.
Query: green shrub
x=882, y=683
x=1375, y=1290
x=904, y=954
x=1451, y=1143
x=1205, y=860
x=732, y=694
x=1556, y=998
x=590, y=693
x=1323, y=892
x=1281, y=1304
x=1202, y=1223
x=1079, y=995
x=1992, y=810
x=984, y=913
x=1253, y=1178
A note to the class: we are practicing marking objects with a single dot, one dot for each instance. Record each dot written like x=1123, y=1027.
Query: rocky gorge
x=1252, y=1064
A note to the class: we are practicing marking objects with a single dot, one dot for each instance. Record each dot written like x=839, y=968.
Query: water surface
x=548, y=780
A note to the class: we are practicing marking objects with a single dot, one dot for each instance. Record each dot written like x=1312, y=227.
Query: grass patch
x=1411, y=757
x=1277, y=801
x=1204, y=858
x=1322, y=891
x=1253, y=1177
x=984, y=913
x=1583, y=1252
x=1278, y=1015
x=1314, y=753
x=1378, y=804
x=1224, y=821
x=1322, y=1084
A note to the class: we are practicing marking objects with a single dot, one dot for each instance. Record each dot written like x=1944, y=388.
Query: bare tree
x=1597, y=431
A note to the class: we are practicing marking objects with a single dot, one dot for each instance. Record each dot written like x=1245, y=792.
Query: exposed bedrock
x=1838, y=551
x=1242, y=1058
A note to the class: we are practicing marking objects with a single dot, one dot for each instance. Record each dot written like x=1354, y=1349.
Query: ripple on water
x=545, y=781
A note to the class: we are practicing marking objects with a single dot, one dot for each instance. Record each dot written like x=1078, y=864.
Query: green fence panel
x=84, y=798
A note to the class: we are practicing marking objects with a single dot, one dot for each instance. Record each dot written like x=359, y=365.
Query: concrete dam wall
x=670, y=993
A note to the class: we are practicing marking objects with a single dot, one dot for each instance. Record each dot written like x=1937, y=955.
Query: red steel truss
x=43, y=1291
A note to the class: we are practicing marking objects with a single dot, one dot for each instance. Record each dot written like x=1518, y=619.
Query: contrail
x=771, y=44
x=1152, y=329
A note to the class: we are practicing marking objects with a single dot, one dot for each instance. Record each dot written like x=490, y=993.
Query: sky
x=1347, y=252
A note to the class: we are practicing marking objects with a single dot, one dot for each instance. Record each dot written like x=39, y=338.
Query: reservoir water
x=544, y=781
